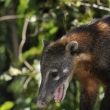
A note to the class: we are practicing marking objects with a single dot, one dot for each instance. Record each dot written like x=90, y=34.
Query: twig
x=35, y=32
x=26, y=82
x=11, y=17
x=22, y=44
x=99, y=2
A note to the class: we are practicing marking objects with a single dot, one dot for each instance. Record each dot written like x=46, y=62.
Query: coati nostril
x=41, y=104
x=51, y=92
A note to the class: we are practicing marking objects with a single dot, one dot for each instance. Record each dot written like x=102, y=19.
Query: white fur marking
x=57, y=78
x=63, y=37
x=54, y=70
x=47, y=74
x=66, y=84
x=84, y=56
x=65, y=70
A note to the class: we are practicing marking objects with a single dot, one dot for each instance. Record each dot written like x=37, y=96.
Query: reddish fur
x=86, y=78
x=103, y=27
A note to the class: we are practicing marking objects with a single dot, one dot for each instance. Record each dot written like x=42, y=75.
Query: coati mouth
x=60, y=92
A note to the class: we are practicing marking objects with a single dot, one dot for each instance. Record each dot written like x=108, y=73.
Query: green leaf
x=20, y=9
x=31, y=13
x=58, y=104
x=24, y=3
x=32, y=51
x=7, y=2
x=7, y=105
x=78, y=3
x=48, y=25
x=53, y=30
x=17, y=84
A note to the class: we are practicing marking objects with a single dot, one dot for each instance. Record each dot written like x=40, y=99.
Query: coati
x=84, y=52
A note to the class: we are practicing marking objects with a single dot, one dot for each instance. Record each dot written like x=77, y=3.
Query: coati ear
x=46, y=43
x=72, y=46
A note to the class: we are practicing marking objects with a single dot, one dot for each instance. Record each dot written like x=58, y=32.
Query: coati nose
x=41, y=104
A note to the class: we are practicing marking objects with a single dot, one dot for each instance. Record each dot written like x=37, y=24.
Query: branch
x=23, y=36
x=95, y=6
x=22, y=44
x=11, y=17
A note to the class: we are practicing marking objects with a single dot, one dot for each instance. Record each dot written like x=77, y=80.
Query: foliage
x=48, y=20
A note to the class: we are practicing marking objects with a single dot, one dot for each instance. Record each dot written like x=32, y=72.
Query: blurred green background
x=23, y=25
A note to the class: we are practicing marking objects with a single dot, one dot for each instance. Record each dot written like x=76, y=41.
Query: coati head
x=56, y=69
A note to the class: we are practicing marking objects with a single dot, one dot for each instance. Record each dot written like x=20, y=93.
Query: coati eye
x=54, y=74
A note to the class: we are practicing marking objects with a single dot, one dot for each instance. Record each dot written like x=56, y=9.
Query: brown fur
x=86, y=78
x=102, y=26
